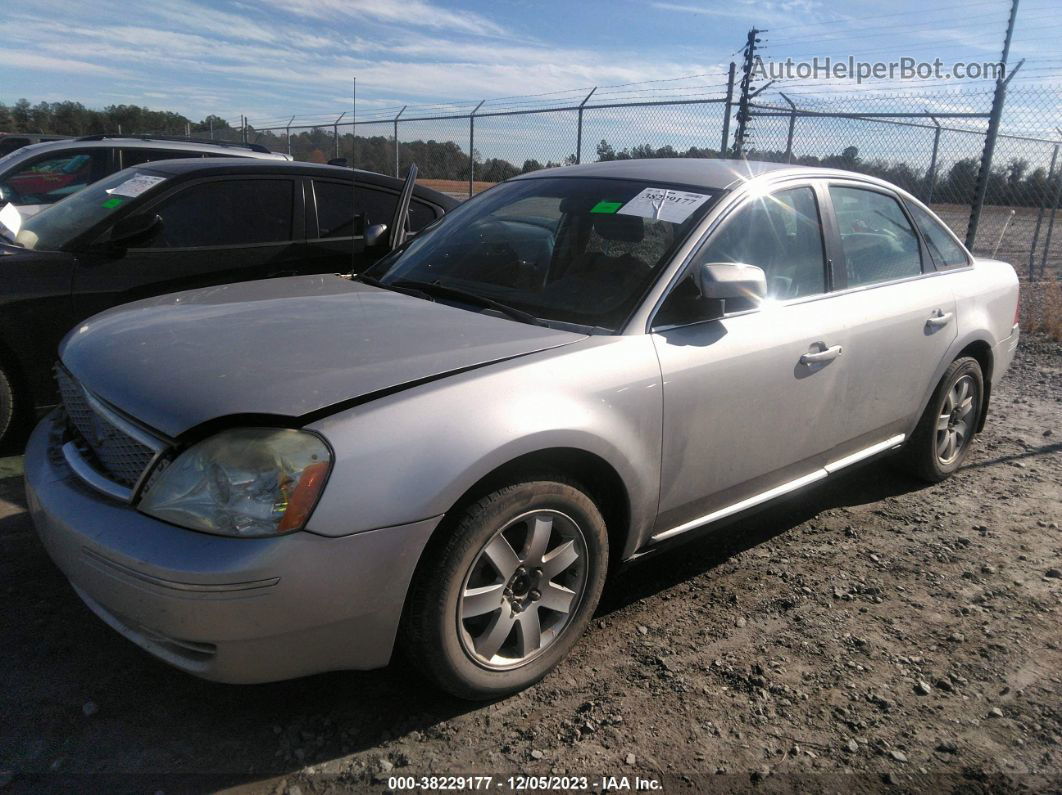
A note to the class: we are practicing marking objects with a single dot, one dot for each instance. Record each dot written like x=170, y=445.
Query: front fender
x=412, y=455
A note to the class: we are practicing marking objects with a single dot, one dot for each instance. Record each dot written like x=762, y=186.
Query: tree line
x=1011, y=183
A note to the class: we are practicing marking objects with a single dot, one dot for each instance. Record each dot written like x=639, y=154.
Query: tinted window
x=11, y=144
x=51, y=178
x=878, y=241
x=335, y=199
x=227, y=213
x=943, y=249
x=135, y=157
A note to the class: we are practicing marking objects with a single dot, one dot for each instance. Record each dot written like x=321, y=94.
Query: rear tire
x=943, y=435
x=509, y=590
x=7, y=406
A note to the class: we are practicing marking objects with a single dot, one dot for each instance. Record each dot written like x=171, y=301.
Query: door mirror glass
x=135, y=229
x=376, y=235
x=731, y=280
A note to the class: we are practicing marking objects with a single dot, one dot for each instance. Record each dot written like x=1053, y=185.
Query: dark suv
x=179, y=224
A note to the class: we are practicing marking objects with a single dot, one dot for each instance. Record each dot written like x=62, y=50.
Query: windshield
x=58, y=224
x=570, y=249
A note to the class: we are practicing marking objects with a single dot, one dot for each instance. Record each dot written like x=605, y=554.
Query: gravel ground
x=874, y=633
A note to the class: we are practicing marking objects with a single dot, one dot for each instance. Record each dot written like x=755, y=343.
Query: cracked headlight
x=242, y=482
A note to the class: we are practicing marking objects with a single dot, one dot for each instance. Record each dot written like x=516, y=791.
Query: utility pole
x=993, y=131
x=743, y=118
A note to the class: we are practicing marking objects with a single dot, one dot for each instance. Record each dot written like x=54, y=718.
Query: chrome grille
x=115, y=453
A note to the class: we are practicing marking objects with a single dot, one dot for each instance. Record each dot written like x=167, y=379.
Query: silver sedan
x=451, y=450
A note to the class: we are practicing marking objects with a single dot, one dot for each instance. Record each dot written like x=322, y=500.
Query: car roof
x=704, y=173
x=222, y=166
x=109, y=142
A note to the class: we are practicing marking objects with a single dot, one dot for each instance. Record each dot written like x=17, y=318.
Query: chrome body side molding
x=785, y=488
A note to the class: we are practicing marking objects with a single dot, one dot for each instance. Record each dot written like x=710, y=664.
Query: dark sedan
x=174, y=225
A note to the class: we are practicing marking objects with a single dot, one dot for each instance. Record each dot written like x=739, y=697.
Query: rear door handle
x=827, y=355
x=939, y=320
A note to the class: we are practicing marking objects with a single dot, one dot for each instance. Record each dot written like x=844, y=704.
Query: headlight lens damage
x=242, y=482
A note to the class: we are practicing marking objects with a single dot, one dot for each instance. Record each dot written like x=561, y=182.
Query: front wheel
x=942, y=438
x=509, y=591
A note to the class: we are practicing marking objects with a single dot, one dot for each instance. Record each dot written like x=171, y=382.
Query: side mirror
x=6, y=194
x=730, y=280
x=138, y=228
x=376, y=235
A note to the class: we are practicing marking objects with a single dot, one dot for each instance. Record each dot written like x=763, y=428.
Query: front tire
x=509, y=590
x=942, y=438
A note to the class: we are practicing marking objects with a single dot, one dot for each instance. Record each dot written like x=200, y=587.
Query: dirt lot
x=1017, y=230
x=874, y=632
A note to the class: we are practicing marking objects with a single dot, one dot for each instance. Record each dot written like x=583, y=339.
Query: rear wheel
x=509, y=591
x=7, y=405
x=942, y=439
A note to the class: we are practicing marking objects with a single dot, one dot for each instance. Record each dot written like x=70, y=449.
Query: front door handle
x=939, y=319
x=827, y=355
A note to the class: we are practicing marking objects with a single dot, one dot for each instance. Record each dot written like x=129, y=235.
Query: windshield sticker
x=110, y=204
x=11, y=218
x=606, y=207
x=662, y=204
x=135, y=185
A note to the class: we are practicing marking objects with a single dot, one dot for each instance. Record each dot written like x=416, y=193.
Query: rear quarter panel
x=986, y=297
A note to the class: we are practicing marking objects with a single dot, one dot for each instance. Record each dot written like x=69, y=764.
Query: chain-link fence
x=930, y=143
x=936, y=155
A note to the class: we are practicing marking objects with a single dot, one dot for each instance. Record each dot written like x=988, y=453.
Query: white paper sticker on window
x=663, y=204
x=136, y=185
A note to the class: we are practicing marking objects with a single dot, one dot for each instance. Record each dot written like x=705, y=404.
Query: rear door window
x=335, y=201
x=233, y=212
x=136, y=157
x=878, y=241
x=943, y=249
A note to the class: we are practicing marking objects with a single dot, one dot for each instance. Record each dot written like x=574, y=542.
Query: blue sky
x=274, y=58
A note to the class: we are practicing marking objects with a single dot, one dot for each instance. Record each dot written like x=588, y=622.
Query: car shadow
x=77, y=699
x=706, y=549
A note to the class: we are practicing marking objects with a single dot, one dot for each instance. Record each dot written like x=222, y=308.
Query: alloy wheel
x=522, y=590
x=955, y=424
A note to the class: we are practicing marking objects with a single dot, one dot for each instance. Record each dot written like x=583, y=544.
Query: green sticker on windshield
x=110, y=204
x=606, y=207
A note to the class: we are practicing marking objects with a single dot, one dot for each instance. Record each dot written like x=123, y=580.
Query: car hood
x=287, y=347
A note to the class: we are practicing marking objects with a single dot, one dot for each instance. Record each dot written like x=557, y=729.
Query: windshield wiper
x=445, y=291
x=373, y=282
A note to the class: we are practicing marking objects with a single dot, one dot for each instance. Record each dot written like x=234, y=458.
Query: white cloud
x=416, y=13
x=31, y=60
